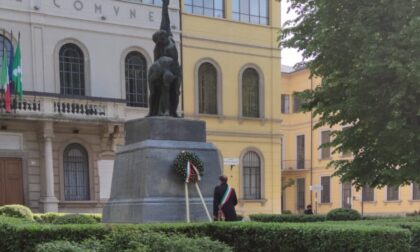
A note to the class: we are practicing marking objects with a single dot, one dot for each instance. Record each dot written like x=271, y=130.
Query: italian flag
x=4, y=81
x=191, y=171
x=17, y=72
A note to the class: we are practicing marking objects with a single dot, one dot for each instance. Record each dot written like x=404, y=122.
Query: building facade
x=304, y=163
x=231, y=63
x=84, y=74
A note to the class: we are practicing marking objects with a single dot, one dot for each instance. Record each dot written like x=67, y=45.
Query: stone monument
x=145, y=188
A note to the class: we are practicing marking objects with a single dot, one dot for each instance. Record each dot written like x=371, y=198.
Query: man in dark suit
x=224, y=200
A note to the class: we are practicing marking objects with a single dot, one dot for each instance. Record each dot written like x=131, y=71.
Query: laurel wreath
x=181, y=162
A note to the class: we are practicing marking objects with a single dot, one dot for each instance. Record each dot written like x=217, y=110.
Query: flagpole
x=2, y=90
x=11, y=76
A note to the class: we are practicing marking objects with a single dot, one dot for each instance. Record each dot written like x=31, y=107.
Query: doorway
x=346, y=195
x=11, y=181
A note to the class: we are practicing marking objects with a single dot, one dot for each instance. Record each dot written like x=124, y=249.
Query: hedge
x=74, y=219
x=18, y=235
x=286, y=218
x=343, y=214
x=17, y=211
x=51, y=217
x=300, y=236
x=23, y=236
x=137, y=241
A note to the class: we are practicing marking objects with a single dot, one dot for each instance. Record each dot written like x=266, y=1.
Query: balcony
x=52, y=106
x=296, y=165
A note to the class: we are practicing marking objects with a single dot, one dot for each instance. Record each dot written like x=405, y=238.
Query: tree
x=367, y=54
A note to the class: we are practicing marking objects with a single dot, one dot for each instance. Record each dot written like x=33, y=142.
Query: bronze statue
x=165, y=72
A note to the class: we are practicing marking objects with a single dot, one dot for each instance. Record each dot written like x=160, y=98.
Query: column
x=49, y=201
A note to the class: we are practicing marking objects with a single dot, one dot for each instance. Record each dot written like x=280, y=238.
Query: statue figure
x=165, y=72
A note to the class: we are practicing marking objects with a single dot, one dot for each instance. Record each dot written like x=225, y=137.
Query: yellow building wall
x=300, y=123
x=233, y=45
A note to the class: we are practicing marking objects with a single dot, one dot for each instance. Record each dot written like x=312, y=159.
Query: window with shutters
x=346, y=154
x=207, y=86
x=72, y=70
x=136, y=80
x=325, y=139
x=251, y=93
x=325, y=193
x=300, y=186
x=250, y=11
x=392, y=193
x=76, y=173
x=6, y=44
x=416, y=191
x=210, y=8
x=297, y=103
x=368, y=193
x=252, y=175
x=300, y=152
x=285, y=104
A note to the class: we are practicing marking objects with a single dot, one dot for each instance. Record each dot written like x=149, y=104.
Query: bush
x=141, y=240
x=287, y=218
x=239, y=217
x=75, y=219
x=49, y=218
x=17, y=211
x=286, y=212
x=23, y=236
x=60, y=246
x=343, y=214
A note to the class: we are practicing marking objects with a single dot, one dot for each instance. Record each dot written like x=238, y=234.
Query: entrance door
x=346, y=195
x=11, y=184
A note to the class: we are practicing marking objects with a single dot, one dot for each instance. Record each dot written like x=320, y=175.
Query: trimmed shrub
x=343, y=214
x=49, y=218
x=309, y=237
x=286, y=212
x=141, y=240
x=24, y=236
x=75, y=219
x=239, y=217
x=17, y=211
x=60, y=246
x=287, y=218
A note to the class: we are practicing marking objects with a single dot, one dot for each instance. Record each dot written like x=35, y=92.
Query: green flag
x=17, y=72
x=4, y=71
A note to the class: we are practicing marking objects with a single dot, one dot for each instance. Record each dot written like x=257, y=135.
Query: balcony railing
x=295, y=165
x=55, y=106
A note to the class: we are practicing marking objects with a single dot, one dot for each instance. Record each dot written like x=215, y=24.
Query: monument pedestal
x=145, y=187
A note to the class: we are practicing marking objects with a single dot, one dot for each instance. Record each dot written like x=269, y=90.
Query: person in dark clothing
x=224, y=200
x=308, y=210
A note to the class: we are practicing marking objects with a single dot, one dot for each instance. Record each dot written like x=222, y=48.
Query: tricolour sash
x=226, y=196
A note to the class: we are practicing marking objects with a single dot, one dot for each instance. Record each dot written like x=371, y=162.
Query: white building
x=84, y=73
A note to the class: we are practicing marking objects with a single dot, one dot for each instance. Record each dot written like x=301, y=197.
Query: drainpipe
x=312, y=154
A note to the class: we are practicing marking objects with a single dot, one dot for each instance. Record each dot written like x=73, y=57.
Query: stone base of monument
x=145, y=187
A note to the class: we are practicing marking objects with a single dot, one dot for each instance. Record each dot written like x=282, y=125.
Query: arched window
x=136, y=80
x=250, y=93
x=252, y=175
x=76, y=173
x=207, y=85
x=72, y=70
x=7, y=44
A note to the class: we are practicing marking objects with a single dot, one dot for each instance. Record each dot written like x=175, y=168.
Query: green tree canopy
x=368, y=56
